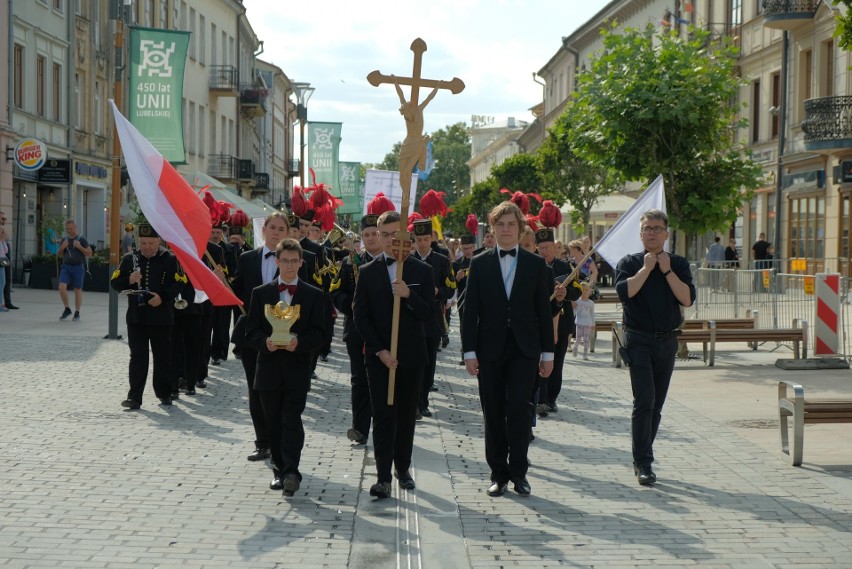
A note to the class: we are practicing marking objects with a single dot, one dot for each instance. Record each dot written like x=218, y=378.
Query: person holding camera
x=74, y=251
x=149, y=278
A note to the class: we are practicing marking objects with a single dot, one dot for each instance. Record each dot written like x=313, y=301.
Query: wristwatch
x=667, y=273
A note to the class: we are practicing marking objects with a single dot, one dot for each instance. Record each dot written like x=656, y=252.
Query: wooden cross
x=411, y=154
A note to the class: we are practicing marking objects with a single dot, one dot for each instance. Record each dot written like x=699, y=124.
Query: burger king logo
x=30, y=154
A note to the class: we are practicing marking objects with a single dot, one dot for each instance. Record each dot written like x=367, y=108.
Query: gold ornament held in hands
x=281, y=317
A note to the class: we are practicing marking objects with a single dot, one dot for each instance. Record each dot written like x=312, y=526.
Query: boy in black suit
x=507, y=336
x=283, y=374
x=393, y=425
x=254, y=268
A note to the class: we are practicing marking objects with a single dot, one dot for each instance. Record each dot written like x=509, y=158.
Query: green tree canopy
x=654, y=102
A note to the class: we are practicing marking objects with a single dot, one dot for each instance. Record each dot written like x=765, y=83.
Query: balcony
x=828, y=124
x=224, y=80
x=293, y=167
x=229, y=168
x=788, y=14
x=253, y=101
x=261, y=182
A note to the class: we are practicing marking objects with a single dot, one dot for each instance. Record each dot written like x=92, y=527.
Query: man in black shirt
x=652, y=286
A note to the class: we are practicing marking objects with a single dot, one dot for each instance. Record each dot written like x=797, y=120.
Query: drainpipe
x=782, y=131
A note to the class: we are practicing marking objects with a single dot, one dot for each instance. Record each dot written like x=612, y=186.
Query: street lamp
x=303, y=92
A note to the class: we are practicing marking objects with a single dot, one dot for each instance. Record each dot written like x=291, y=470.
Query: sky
x=494, y=46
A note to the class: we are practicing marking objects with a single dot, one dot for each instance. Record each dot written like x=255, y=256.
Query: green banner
x=155, y=103
x=323, y=153
x=350, y=184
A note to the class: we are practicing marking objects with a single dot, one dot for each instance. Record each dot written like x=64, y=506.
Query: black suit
x=342, y=295
x=393, y=426
x=551, y=386
x=283, y=378
x=462, y=264
x=248, y=277
x=508, y=336
x=221, y=325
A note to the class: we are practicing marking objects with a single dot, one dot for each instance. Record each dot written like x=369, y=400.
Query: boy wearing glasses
x=653, y=286
x=283, y=373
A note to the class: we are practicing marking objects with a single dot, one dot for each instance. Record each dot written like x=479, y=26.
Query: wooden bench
x=804, y=411
x=710, y=335
x=721, y=324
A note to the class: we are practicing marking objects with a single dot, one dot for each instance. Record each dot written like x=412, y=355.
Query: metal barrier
x=780, y=299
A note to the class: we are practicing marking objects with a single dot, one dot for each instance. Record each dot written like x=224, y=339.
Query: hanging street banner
x=350, y=186
x=323, y=153
x=155, y=102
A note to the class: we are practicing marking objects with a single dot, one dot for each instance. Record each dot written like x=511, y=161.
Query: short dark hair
x=279, y=215
x=288, y=245
x=656, y=214
x=389, y=217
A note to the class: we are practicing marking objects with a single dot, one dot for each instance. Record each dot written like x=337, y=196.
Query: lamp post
x=303, y=92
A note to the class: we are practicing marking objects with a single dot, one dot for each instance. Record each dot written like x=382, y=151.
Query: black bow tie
x=390, y=261
x=504, y=252
x=269, y=254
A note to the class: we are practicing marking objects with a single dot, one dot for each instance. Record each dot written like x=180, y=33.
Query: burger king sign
x=30, y=154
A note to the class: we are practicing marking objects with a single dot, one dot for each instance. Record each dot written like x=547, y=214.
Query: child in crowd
x=585, y=319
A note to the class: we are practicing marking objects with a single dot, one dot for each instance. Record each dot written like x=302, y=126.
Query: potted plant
x=45, y=272
x=97, y=277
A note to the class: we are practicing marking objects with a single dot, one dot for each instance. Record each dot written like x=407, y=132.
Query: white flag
x=623, y=237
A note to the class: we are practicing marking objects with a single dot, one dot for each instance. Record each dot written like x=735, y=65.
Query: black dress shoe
x=190, y=391
x=259, y=454
x=324, y=359
x=497, y=489
x=381, y=490
x=522, y=487
x=314, y=375
x=644, y=474
x=216, y=362
x=445, y=341
x=276, y=484
x=356, y=436
x=201, y=383
x=541, y=409
x=426, y=412
x=434, y=387
x=165, y=401
x=406, y=481
x=131, y=404
x=552, y=408
x=175, y=395
x=290, y=484
x=12, y=307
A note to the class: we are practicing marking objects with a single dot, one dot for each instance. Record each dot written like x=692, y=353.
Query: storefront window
x=807, y=227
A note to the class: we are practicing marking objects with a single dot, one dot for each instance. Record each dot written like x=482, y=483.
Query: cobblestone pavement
x=87, y=484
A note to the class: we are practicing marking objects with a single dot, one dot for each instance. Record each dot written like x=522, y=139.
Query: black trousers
x=186, y=349
x=428, y=372
x=393, y=425
x=652, y=364
x=221, y=328
x=258, y=419
x=552, y=386
x=460, y=310
x=362, y=411
x=7, y=288
x=282, y=411
x=139, y=337
x=505, y=391
x=206, y=329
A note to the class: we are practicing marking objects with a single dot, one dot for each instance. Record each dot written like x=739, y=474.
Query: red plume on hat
x=298, y=202
x=521, y=199
x=325, y=215
x=549, y=215
x=380, y=204
x=239, y=219
x=412, y=218
x=432, y=204
x=532, y=221
x=472, y=224
x=322, y=199
x=219, y=210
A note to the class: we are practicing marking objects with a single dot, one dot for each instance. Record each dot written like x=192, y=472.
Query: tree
x=843, y=29
x=451, y=151
x=657, y=103
x=571, y=177
x=479, y=200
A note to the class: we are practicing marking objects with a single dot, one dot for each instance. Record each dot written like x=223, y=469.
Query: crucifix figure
x=411, y=154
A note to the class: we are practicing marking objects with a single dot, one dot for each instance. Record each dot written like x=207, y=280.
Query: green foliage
x=843, y=27
x=482, y=197
x=656, y=103
x=451, y=151
x=518, y=173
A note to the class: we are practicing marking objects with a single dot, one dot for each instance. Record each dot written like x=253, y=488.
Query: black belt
x=655, y=335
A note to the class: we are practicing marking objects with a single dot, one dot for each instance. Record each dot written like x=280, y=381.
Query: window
x=192, y=38
x=96, y=23
x=41, y=63
x=844, y=251
x=18, y=78
x=191, y=144
x=213, y=47
x=776, y=103
x=164, y=14
x=213, y=132
x=78, y=98
x=99, y=127
x=736, y=16
x=201, y=139
x=755, y=111
x=57, y=5
x=806, y=79
x=57, y=92
x=807, y=227
x=828, y=68
x=202, y=38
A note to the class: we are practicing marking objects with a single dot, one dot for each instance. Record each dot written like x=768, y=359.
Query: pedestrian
x=507, y=337
x=7, y=271
x=732, y=262
x=4, y=262
x=186, y=336
x=461, y=268
x=393, y=424
x=255, y=268
x=653, y=286
x=714, y=259
x=220, y=325
x=75, y=250
x=585, y=320
x=283, y=375
x=444, y=289
x=150, y=273
x=760, y=252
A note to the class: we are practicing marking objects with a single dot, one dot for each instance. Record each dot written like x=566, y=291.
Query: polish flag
x=172, y=208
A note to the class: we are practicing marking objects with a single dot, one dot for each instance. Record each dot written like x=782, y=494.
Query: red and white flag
x=172, y=208
x=623, y=237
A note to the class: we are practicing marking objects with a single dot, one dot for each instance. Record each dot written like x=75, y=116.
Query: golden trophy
x=281, y=317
